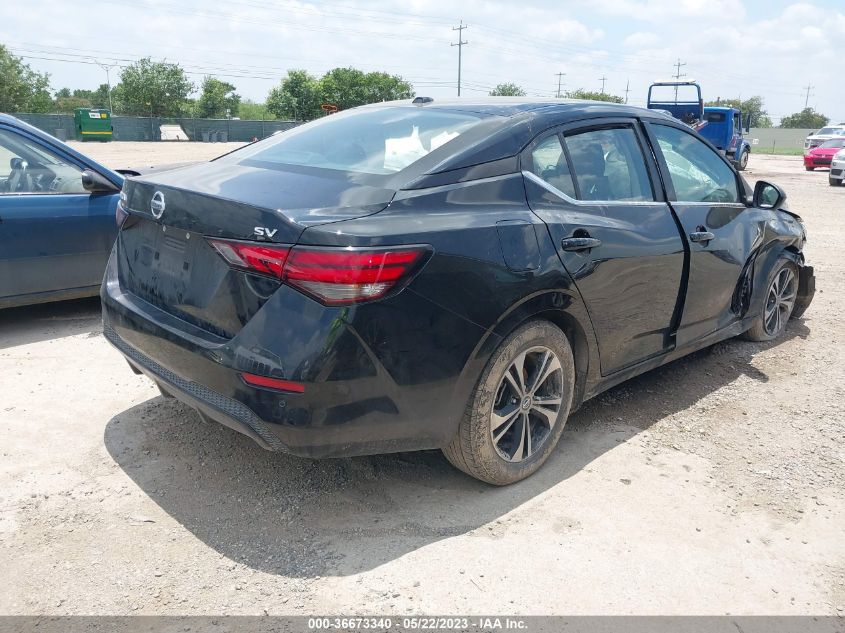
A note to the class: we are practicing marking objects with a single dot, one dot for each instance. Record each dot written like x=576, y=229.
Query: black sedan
x=457, y=275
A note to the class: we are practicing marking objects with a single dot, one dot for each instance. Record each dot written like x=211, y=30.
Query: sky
x=734, y=49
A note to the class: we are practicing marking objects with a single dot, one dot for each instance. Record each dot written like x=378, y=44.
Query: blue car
x=57, y=217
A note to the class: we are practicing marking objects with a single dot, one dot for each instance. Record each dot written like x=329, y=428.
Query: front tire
x=809, y=168
x=781, y=292
x=743, y=160
x=517, y=411
x=833, y=182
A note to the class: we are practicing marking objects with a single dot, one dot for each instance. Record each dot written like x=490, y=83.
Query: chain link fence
x=132, y=128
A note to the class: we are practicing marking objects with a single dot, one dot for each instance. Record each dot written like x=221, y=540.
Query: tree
x=217, y=100
x=21, y=88
x=806, y=119
x=752, y=106
x=297, y=97
x=593, y=96
x=67, y=102
x=153, y=88
x=507, y=90
x=384, y=87
x=255, y=111
x=350, y=87
x=344, y=87
x=300, y=95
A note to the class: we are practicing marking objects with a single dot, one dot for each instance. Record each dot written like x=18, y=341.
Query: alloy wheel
x=527, y=404
x=779, y=301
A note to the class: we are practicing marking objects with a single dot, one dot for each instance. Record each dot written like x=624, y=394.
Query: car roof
x=512, y=106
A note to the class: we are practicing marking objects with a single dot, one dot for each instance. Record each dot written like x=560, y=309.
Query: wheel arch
x=765, y=259
x=564, y=309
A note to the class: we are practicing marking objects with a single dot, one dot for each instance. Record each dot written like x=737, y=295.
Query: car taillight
x=333, y=276
x=253, y=257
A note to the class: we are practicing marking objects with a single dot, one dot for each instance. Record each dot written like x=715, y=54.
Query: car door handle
x=579, y=243
x=701, y=236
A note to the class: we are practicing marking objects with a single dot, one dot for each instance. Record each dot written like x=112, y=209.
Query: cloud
x=641, y=40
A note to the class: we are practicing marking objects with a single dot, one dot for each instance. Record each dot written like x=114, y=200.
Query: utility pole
x=560, y=77
x=603, y=80
x=627, y=89
x=107, y=68
x=807, y=98
x=678, y=74
x=461, y=43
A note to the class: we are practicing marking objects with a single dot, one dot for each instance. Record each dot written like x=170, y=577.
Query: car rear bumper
x=358, y=399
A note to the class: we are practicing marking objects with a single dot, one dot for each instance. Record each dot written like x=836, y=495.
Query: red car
x=822, y=155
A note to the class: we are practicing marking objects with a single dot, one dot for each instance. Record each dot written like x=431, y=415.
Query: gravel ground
x=713, y=485
x=128, y=154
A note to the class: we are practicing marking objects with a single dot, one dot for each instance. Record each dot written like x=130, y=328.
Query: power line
x=560, y=76
x=107, y=68
x=460, y=44
x=807, y=98
x=678, y=74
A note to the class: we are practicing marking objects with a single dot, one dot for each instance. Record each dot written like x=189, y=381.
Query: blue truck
x=721, y=125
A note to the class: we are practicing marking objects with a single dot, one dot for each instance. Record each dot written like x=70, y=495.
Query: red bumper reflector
x=273, y=383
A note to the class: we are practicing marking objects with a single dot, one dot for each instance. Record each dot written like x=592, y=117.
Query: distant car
x=837, y=169
x=456, y=275
x=57, y=217
x=822, y=155
x=824, y=134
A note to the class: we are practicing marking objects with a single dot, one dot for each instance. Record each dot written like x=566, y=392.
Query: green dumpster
x=92, y=124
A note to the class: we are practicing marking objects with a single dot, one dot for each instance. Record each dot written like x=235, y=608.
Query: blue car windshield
x=369, y=141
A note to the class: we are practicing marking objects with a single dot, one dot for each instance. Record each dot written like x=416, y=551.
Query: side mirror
x=93, y=182
x=768, y=196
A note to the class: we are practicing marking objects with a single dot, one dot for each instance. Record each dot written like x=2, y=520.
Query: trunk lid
x=166, y=260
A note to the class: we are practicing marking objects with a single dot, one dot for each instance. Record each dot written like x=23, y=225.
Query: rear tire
x=778, y=304
x=517, y=411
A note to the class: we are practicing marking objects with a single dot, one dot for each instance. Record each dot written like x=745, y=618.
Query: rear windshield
x=378, y=141
x=714, y=117
x=834, y=142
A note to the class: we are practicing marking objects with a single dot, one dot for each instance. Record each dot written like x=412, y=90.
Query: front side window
x=27, y=167
x=380, y=141
x=609, y=165
x=548, y=161
x=698, y=173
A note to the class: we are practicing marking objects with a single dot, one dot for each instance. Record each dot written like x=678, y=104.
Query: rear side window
x=698, y=173
x=548, y=161
x=609, y=165
x=378, y=141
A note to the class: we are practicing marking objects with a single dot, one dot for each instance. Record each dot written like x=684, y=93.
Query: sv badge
x=262, y=231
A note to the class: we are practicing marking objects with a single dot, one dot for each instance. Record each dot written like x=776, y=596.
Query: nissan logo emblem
x=157, y=205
